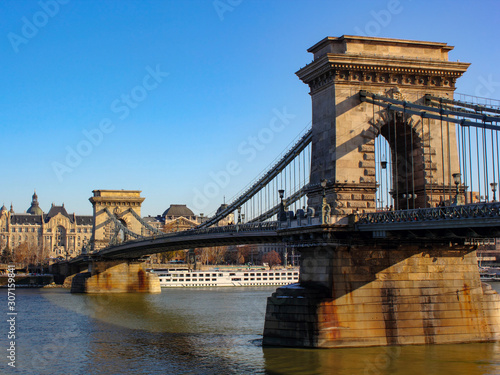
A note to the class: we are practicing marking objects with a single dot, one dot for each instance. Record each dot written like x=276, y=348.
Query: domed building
x=35, y=207
x=55, y=234
x=176, y=211
x=178, y=217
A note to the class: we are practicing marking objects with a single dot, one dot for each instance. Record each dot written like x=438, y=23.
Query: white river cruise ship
x=181, y=277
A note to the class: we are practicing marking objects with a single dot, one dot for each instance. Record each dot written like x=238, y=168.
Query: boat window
x=220, y=275
x=252, y=274
x=259, y=274
x=236, y=279
x=232, y=274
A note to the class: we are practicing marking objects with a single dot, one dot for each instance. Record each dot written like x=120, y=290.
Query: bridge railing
x=431, y=214
x=234, y=228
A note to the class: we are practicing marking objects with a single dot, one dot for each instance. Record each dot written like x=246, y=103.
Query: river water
x=196, y=331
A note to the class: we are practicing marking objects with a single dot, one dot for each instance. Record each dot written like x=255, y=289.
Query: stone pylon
x=344, y=128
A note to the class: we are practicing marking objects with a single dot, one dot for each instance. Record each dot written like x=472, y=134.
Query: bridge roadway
x=480, y=220
x=205, y=237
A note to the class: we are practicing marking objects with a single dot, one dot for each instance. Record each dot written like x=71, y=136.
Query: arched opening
x=122, y=236
x=60, y=236
x=400, y=166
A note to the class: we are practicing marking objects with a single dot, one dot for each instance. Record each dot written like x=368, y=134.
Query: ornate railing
x=478, y=210
x=235, y=228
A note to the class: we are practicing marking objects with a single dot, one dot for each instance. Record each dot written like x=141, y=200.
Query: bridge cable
x=478, y=168
x=144, y=223
x=118, y=223
x=485, y=166
x=274, y=171
x=391, y=164
x=405, y=127
x=442, y=159
x=412, y=163
x=492, y=150
x=470, y=164
x=424, y=160
x=396, y=182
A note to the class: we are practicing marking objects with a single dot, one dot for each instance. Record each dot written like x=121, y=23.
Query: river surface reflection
x=197, y=331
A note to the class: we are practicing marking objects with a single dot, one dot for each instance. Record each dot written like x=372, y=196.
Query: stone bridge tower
x=118, y=203
x=344, y=128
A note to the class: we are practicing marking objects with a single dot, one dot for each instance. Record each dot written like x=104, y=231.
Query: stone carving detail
x=346, y=73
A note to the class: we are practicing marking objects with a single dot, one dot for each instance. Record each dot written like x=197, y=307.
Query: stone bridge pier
x=386, y=294
x=116, y=276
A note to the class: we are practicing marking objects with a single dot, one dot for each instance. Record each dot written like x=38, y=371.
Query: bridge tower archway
x=405, y=158
x=344, y=128
x=118, y=203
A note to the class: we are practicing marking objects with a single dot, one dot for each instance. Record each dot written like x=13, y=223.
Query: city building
x=56, y=233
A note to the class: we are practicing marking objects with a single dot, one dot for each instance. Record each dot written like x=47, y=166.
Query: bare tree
x=272, y=258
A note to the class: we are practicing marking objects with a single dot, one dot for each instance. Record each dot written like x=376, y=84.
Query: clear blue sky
x=159, y=95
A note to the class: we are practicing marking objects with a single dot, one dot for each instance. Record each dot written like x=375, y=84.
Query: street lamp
x=239, y=214
x=456, y=179
x=281, y=193
x=494, y=189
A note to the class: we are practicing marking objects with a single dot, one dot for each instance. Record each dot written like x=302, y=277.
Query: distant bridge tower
x=118, y=203
x=344, y=128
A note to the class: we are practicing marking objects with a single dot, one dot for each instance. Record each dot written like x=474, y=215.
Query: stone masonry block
x=367, y=148
x=368, y=156
x=366, y=164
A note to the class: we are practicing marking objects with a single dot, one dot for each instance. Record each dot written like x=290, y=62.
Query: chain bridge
x=383, y=197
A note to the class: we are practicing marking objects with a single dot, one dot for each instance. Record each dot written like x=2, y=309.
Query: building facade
x=56, y=233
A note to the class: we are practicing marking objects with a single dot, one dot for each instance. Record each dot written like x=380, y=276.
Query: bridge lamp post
x=456, y=179
x=281, y=193
x=494, y=189
x=239, y=214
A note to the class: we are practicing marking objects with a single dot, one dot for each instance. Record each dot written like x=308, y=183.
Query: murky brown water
x=198, y=331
